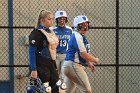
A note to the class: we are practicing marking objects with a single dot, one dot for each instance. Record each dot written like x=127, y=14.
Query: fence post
x=117, y=46
x=11, y=49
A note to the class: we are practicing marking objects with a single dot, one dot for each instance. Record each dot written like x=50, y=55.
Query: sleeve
x=79, y=43
x=32, y=57
x=70, y=29
x=34, y=39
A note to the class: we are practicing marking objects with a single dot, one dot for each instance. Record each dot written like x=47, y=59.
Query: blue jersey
x=77, y=43
x=63, y=34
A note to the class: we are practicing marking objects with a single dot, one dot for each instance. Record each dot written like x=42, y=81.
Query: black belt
x=61, y=53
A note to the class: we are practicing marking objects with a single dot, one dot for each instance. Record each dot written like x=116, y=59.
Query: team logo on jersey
x=33, y=41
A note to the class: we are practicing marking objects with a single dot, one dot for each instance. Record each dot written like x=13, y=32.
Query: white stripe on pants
x=75, y=76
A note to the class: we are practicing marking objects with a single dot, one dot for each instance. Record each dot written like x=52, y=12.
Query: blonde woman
x=42, y=51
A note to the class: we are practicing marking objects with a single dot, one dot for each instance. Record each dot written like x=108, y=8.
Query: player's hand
x=92, y=67
x=34, y=74
x=97, y=60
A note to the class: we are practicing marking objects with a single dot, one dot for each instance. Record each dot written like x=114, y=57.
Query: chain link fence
x=114, y=36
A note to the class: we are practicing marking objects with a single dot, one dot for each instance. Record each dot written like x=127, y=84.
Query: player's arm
x=33, y=43
x=83, y=52
x=89, y=57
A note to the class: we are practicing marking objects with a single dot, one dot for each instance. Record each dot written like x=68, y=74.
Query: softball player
x=42, y=51
x=77, y=56
x=63, y=33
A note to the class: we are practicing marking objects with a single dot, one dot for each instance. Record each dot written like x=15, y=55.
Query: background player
x=63, y=33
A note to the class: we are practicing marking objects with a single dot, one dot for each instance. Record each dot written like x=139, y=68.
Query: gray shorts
x=75, y=76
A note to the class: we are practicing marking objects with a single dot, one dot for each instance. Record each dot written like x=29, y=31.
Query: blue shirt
x=63, y=34
x=77, y=43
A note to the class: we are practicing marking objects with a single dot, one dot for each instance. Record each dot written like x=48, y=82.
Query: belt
x=74, y=61
x=81, y=64
x=61, y=53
